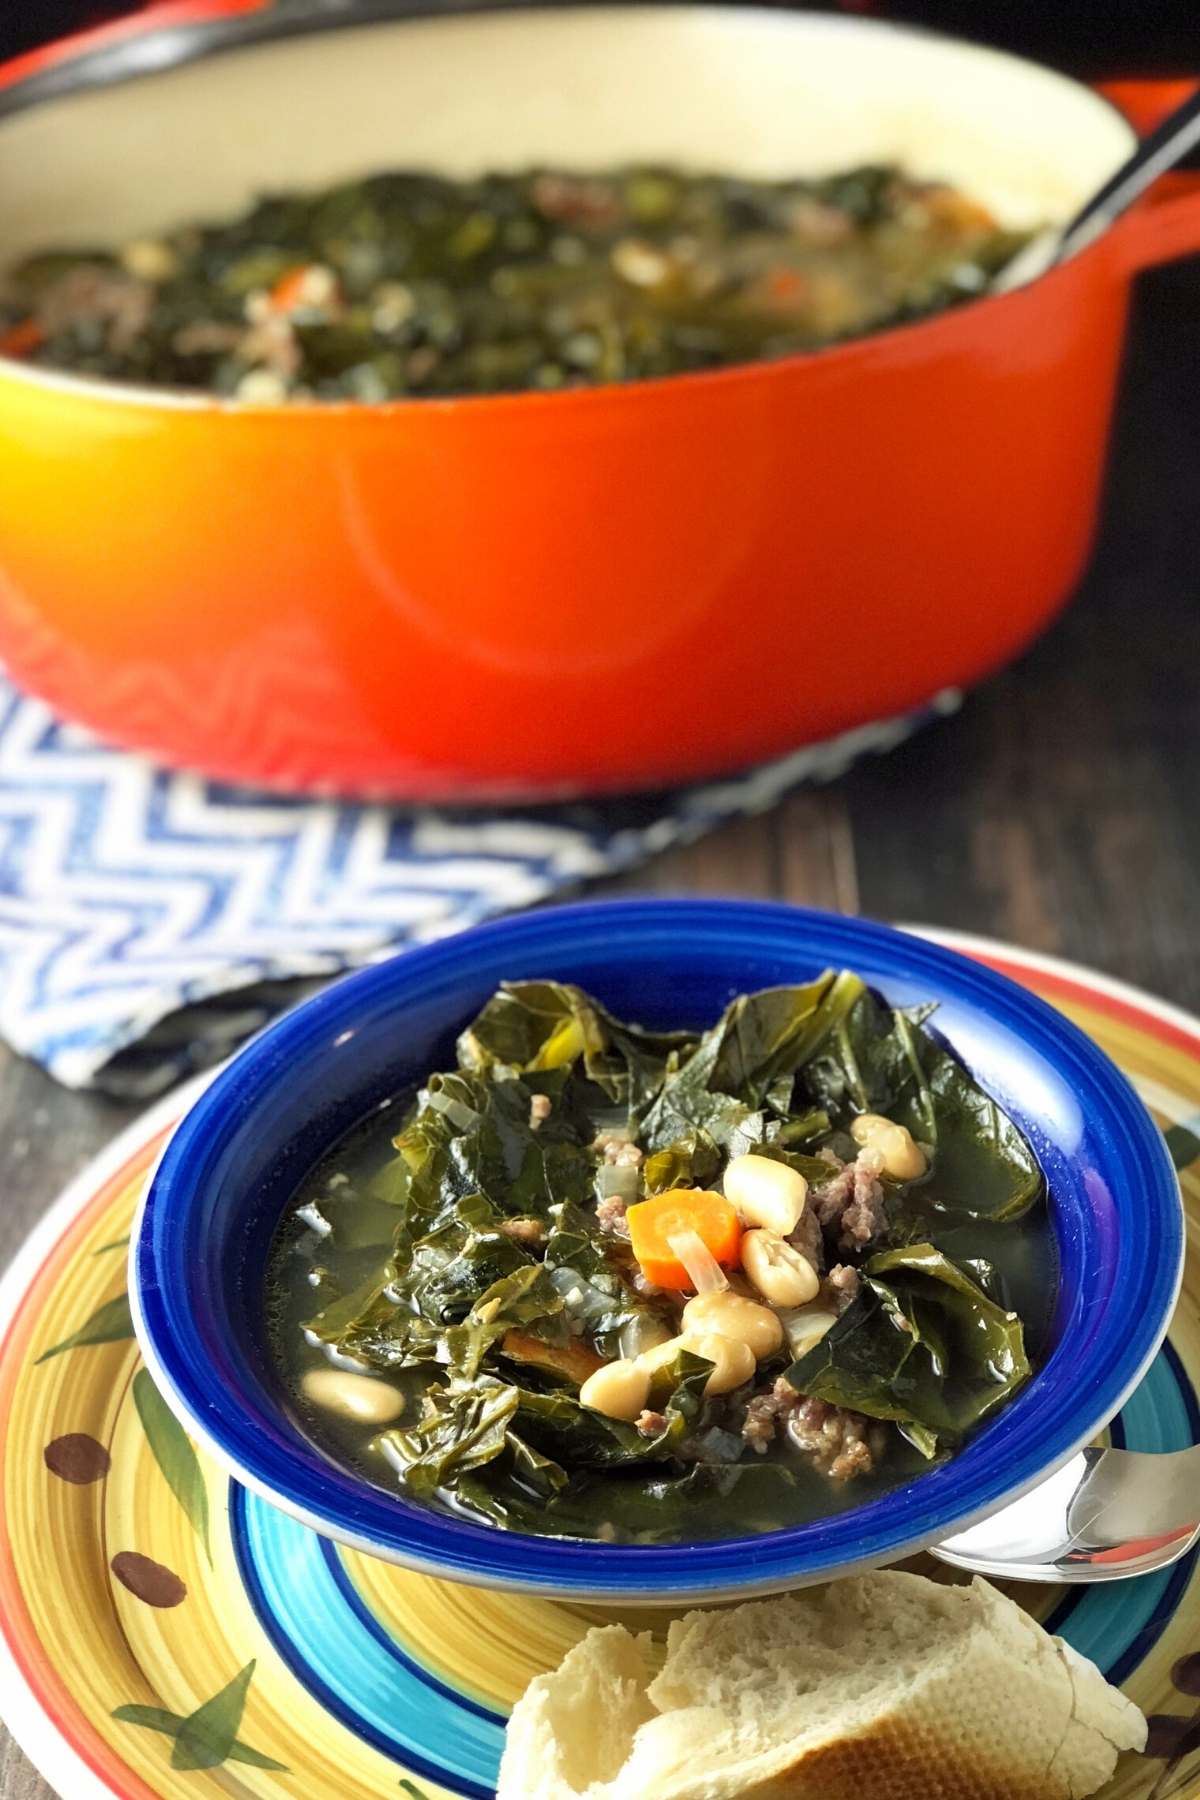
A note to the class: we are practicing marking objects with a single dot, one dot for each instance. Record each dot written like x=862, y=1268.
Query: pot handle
x=1166, y=225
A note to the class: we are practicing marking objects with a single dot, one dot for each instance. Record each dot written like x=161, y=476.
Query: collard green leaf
x=531, y=1026
x=461, y=1288
x=594, y=1273
x=582, y=1438
x=109, y=1324
x=982, y=1166
x=475, y=1134
x=527, y=1298
x=690, y=1162
x=503, y=1436
x=462, y=1430
x=881, y=1061
x=750, y=1057
x=457, y=1263
x=773, y=1033
x=870, y=1063
x=923, y=1346
x=710, y=1500
x=174, y=1454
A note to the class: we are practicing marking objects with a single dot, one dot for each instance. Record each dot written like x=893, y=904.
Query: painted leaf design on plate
x=117, y=1244
x=109, y=1324
x=154, y=1718
x=410, y=1787
x=206, y=1738
x=174, y=1454
x=1185, y=1673
x=1183, y=1145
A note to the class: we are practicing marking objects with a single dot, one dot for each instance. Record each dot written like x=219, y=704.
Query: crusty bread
x=881, y=1687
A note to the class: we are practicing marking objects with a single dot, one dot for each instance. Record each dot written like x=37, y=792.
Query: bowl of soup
x=657, y=1250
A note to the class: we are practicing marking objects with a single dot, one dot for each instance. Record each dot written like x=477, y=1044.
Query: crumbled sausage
x=850, y=1206
x=808, y=1240
x=523, y=1231
x=575, y=201
x=763, y=1412
x=118, y=302
x=839, y=1443
x=651, y=1424
x=843, y=1283
x=610, y=1216
x=272, y=344
x=618, y=1149
x=540, y=1108
x=207, y=337
x=761, y=1422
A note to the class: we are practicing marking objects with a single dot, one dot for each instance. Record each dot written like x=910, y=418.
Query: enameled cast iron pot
x=568, y=592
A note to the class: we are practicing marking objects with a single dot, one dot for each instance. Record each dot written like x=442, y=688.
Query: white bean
x=767, y=1193
x=778, y=1270
x=733, y=1316
x=619, y=1390
x=732, y=1360
x=659, y=1355
x=903, y=1157
x=358, y=1397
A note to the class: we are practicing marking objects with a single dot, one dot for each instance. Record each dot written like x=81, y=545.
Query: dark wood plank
x=1060, y=808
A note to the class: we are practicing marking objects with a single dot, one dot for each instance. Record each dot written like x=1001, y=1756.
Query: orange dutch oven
x=564, y=593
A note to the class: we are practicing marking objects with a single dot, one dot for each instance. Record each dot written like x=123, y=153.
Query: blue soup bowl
x=201, y=1243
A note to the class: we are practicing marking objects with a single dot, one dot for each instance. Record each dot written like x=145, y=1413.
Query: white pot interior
x=742, y=91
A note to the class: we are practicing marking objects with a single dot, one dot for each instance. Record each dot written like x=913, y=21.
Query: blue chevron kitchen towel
x=128, y=892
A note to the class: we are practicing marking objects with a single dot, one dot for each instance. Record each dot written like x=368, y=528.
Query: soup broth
x=472, y=1301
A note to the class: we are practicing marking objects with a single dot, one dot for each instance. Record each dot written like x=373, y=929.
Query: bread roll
x=880, y=1687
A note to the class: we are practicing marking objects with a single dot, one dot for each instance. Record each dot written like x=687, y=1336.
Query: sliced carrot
x=21, y=339
x=289, y=289
x=293, y=289
x=786, y=285
x=653, y=1223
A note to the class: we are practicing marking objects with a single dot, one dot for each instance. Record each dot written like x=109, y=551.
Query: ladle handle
x=1156, y=155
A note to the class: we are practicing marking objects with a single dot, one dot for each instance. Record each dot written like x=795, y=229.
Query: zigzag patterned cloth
x=128, y=893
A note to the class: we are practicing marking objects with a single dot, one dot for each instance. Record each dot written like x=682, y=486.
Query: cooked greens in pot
x=413, y=283
x=604, y=1282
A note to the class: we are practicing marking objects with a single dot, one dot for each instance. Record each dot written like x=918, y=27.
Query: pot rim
x=170, y=36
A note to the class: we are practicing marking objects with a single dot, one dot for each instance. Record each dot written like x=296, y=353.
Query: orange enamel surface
x=568, y=592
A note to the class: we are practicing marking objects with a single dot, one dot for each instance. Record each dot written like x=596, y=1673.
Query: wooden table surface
x=1060, y=809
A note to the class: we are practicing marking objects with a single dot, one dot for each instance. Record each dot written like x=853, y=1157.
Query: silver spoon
x=1105, y=1515
x=1166, y=145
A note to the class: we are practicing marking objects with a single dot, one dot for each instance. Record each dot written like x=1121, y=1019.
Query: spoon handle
x=1166, y=146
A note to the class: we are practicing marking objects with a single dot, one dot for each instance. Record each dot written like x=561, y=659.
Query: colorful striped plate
x=163, y=1633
